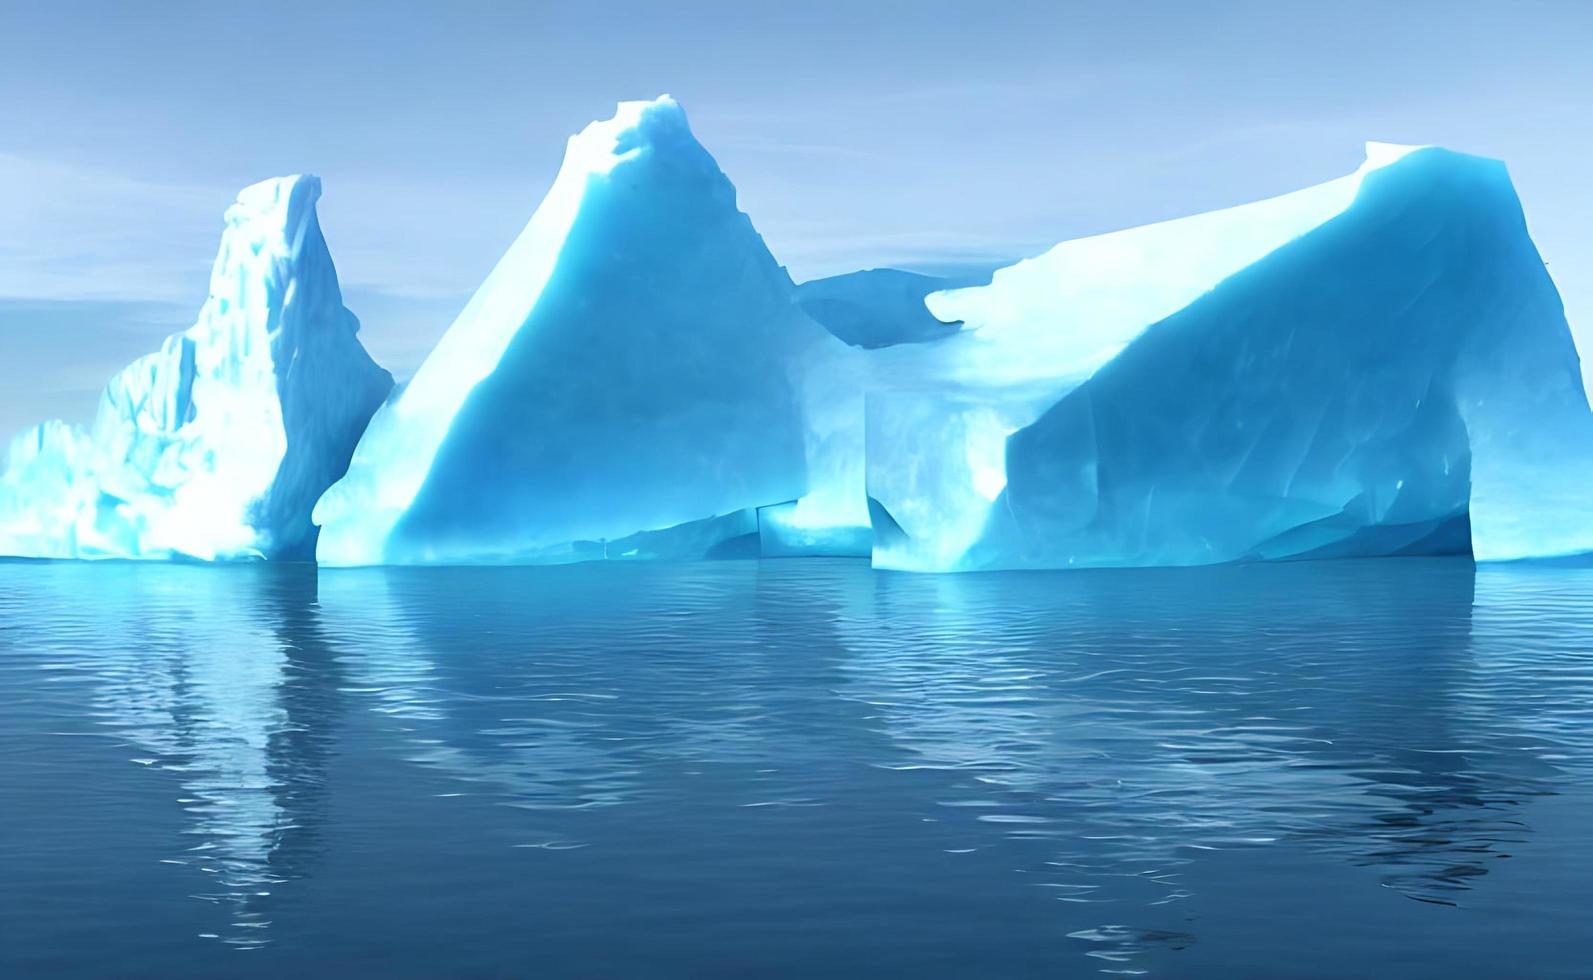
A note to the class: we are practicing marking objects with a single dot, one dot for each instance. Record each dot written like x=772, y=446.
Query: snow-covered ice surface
x=1362, y=367
x=634, y=363
x=218, y=445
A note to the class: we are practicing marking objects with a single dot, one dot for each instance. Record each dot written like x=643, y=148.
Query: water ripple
x=1035, y=769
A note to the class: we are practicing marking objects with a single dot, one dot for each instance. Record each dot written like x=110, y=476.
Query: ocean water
x=797, y=768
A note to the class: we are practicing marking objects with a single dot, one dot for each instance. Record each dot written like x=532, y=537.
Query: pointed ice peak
x=473, y=345
x=1383, y=154
x=635, y=127
x=275, y=196
x=274, y=212
x=589, y=368
x=629, y=114
x=272, y=237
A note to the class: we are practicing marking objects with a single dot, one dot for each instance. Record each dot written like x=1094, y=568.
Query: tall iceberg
x=627, y=382
x=218, y=445
x=1376, y=365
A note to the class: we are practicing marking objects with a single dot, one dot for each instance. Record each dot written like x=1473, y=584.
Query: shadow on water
x=792, y=761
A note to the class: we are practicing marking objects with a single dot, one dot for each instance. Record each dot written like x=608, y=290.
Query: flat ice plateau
x=1377, y=365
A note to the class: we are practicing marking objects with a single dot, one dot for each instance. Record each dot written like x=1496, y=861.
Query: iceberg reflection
x=1103, y=756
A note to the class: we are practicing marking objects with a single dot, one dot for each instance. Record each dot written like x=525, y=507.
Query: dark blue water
x=799, y=768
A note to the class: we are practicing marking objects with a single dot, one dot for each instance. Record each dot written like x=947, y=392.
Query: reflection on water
x=793, y=764
x=1129, y=723
x=221, y=680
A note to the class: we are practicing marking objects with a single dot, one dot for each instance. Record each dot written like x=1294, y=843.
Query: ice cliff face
x=1378, y=365
x=631, y=366
x=218, y=445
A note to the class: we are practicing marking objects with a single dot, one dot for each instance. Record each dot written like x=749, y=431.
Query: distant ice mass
x=880, y=307
x=1378, y=365
x=218, y=445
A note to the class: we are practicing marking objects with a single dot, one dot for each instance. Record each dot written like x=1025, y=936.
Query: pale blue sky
x=857, y=133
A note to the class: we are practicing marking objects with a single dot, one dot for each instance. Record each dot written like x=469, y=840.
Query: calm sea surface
x=796, y=768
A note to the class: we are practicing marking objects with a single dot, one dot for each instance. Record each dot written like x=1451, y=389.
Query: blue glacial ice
x=1376, y=365
x=218, y=445
x=628, y=382
x=868, y=310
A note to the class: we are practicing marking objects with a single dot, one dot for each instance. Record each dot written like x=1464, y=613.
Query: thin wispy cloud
x=73, y=233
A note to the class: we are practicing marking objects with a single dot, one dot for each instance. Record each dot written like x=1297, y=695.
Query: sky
x=925, y=134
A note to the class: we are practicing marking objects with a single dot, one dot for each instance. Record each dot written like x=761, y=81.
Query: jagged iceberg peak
x=217, y=445
x=624, y=369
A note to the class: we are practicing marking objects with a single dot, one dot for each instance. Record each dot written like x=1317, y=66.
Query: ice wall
x=1347, y=370
x=1378, y=365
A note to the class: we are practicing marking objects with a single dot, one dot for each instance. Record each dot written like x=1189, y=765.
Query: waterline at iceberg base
x=1378, y=365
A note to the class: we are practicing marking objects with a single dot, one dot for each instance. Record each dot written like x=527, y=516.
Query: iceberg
x=628, y=382
x=1378, y=365
x=218, y=445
